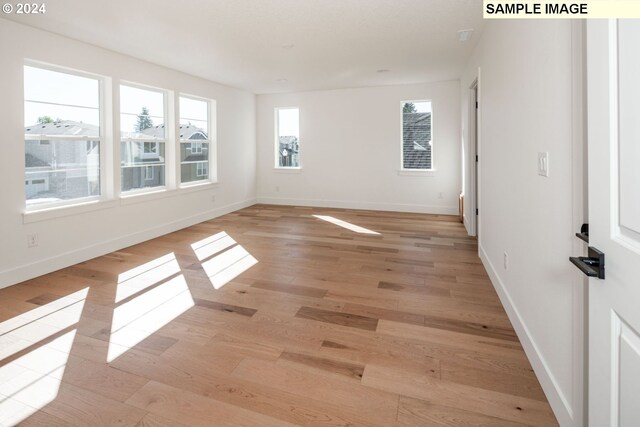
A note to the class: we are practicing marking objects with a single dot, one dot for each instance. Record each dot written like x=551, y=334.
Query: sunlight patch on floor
x=212, y=245
x=225, y=267
x=137, y=319
x=227, y=264
x=32, y=380
x=140, y=278
x=345, y=224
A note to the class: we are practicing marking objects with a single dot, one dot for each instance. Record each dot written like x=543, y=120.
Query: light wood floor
x=326, y=326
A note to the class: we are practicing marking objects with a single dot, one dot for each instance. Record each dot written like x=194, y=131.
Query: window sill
x=190, y=187
x=287, y=170
x=418, y=172
x=44, y=213
x=145, y=196
x=140, y=196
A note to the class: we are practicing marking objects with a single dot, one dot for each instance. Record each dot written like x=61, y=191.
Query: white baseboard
x=347, y=204
x=29, y=271
x=558, y=401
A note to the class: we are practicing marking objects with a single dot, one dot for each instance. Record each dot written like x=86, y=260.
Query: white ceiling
x=337, y=43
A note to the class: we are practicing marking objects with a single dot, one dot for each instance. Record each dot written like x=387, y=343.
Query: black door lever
x=592, y=265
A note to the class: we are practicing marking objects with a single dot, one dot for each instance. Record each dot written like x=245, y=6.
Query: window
x=61, y=115
x=143, y=137
x=151, y=148
x=202, y=169
x=416, y=135
x=287, y=145
x=194, y=126
x=196, y=148
x=148, y=173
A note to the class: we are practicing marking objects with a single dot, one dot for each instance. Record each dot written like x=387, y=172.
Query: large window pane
x=288, y=133
x=58, y=170
x=143, y=133
x=62, y=136
x=55, y=87
x=416, y=135
x=194, y=140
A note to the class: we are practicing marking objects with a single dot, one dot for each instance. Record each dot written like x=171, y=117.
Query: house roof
x=186, y=132
x=32, y=161
x=64, y=127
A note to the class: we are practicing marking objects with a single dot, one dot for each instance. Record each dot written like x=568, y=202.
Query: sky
x=288, y=123
x=421, y=106
x=71, y=97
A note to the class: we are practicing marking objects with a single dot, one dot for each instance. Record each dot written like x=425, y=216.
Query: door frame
x=580, y=215
x=473, y=168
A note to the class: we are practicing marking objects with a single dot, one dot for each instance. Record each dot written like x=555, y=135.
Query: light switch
x=543, y=164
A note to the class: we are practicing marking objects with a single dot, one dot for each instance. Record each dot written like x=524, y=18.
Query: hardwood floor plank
x=448, y=393
x=342, y=393
x=190, y=408
x=349, y=370
x=343, y=319
x=290, y=289
x=102, y=379
x=415, y=412
x=243, y=311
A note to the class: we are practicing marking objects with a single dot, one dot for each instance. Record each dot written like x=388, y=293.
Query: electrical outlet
x=543, y=164
x=32, y=240
x=277, y=189
x=213, y=198
x=506, y=261
x=440, y=195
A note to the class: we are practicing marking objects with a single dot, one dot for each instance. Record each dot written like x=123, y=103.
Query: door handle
x=592, y=265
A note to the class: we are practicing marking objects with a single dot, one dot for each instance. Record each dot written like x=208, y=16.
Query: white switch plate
x=543, y=164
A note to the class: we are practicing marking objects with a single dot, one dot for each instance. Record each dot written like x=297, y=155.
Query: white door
x=613, y=73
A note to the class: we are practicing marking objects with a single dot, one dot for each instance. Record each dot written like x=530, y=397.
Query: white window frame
x=407, y=171
x=104, y=83
x=151, y=140
x=211, y=140
x=276, y=144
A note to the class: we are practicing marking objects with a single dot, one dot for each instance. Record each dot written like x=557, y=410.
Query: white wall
x=70, y=239
x=528, y=93
x=350, y=150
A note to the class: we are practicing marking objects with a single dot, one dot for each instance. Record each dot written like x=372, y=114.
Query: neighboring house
x=194, y=154
x=289, y=150
x=142, y=162
x=59, y=168
x=416, y=141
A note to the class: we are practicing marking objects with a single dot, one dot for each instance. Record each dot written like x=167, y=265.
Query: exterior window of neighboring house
x=196, y=144
x=287, y=144
x=143, y=136
x=151, y=148
x=148, y=173
x=417, y=152
x=202, y=169
x=196, y=148
x=62, y=134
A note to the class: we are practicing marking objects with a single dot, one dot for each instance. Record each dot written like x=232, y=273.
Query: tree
x=144, y=120
x=43, y=120
x=409, y=107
